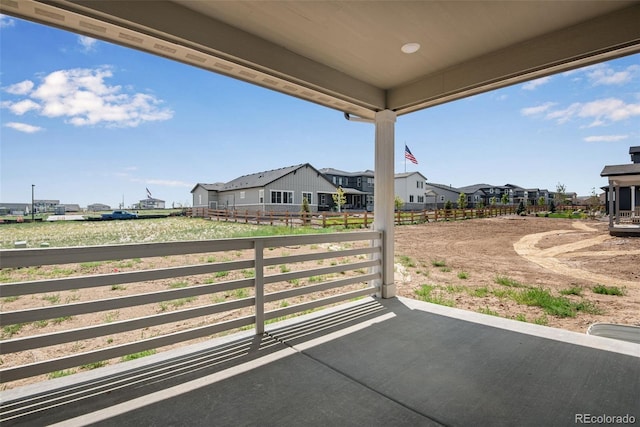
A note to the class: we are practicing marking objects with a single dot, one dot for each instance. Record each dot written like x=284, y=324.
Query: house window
x=282, y=197
x=370, y=181
x=340, y=181
x=491, y=191
x=441, y=198
x=323, y=199
x=308, y=196
x=420, y=199
x=411, y=198
x=335, y=180
x=359, y=181
x=200, y=199
x=261, y=196
x=242, y=193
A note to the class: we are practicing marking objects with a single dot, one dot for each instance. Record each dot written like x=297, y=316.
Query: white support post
x=259, y=286
x=384, y=196
x=611, y=196
x=633, y=201
x=617, y=204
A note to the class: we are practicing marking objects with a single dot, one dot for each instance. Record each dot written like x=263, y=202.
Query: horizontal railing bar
x=54, y=312
x=55, y=285
x=292, y=309
x=302, y=239
x=38, y=368
x=303, y=290
x=38, y=341
x=273, y=278
x=320, y=255
x=13, y=258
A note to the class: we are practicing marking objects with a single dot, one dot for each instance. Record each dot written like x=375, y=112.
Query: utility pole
x=32, y=204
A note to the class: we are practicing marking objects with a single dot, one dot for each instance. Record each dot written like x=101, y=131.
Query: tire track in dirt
x=548, y=258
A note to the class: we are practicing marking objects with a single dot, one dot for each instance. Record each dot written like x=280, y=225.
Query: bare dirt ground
x=552, y=254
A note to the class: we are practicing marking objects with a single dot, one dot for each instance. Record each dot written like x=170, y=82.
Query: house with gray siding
x=357, y=186
x=274, y=190
x=439, y=194
x=623, y=194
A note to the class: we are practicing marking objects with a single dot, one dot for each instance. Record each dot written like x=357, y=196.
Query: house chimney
x=635, y=154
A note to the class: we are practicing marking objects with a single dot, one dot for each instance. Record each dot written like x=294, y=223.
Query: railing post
x=259, y=285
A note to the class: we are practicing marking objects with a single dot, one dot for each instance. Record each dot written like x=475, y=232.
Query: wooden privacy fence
x=347, y=219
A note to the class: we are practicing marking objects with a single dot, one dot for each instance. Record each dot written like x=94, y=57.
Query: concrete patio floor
x=371, y=362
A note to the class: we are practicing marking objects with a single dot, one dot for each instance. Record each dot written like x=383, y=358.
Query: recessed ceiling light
x=410, y=47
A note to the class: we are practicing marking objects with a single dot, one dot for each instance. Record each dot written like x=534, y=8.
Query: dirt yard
x=461, y=262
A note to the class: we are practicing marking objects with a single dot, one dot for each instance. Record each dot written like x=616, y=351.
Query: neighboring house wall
x=410, y=187
x=97, y=207
x=443, y=193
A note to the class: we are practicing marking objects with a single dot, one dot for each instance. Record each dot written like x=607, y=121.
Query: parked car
x=120, y=215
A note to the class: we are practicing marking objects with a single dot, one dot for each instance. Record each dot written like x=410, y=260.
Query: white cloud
x=23, y=127
x=5, y=21
x=83, y=97
x=21, y=88
x=605, y=75
x=600, y=112
x=532, y=111
x=532, y=85
x=88, y=44
x=21, y=107
x=606, y=138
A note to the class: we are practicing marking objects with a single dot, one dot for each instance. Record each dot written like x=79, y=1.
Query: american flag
x=408, y=155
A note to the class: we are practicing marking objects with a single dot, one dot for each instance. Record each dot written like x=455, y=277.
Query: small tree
x=339, y=198
x=540, y=201
x=560, y=197
x=593, y=203
x=552, y=206
x=462, y=201
x=521, y=209
x=305, y=210
x=398, y=203
x=493, y=201
x=505, y=199
x=448, y=205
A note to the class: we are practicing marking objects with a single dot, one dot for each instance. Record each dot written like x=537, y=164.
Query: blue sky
x=90, y=122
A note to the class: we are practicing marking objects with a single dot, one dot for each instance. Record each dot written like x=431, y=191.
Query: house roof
x=260, y=179
x=443, y=187
x=470, y=189
x=633, y=150
x=347, y=55
x=616, y=170
x=209, y=187
x=407, y=174
x=331, y=171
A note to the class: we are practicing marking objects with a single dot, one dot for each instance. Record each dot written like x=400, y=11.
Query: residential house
x=97, y=207
x=358, y=187
x=623, y=192
x=274, y=190
x=410, y=187
x=437, y=195
x=150, y=203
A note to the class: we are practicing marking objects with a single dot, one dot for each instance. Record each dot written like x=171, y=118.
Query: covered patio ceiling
x=347, y=55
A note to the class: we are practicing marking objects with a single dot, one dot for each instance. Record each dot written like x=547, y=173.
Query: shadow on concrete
x=390, y=362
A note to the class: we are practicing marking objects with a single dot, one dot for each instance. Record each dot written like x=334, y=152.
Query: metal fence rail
x=358, y=267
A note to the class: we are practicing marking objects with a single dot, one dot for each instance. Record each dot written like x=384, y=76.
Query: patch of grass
x=487, y=310
x=425, y=294
x=94, y=365
x=53, y=299
x=553, y=305
x=10, y=330
x=502, y=293
x=455, y=289
x=284, y=269
x=313, y=279
x=40, y=323
x=221, y=274
x=248, y=274
x=406, y=261
x=60, y=374
x=445, y=269
x=118, y=287
x=91, y=265
x=463, y=275
x=608, y=290
x=59, y=320
x=111, y=317
x=294, y=282
x=575, y=290
x=10, y=299
x=521, y=317
x=542, y=320
x=506, y=281
x=177, y=285
x=138, y=355
x=242, y=293
x=438, y=263
x=480, y=292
